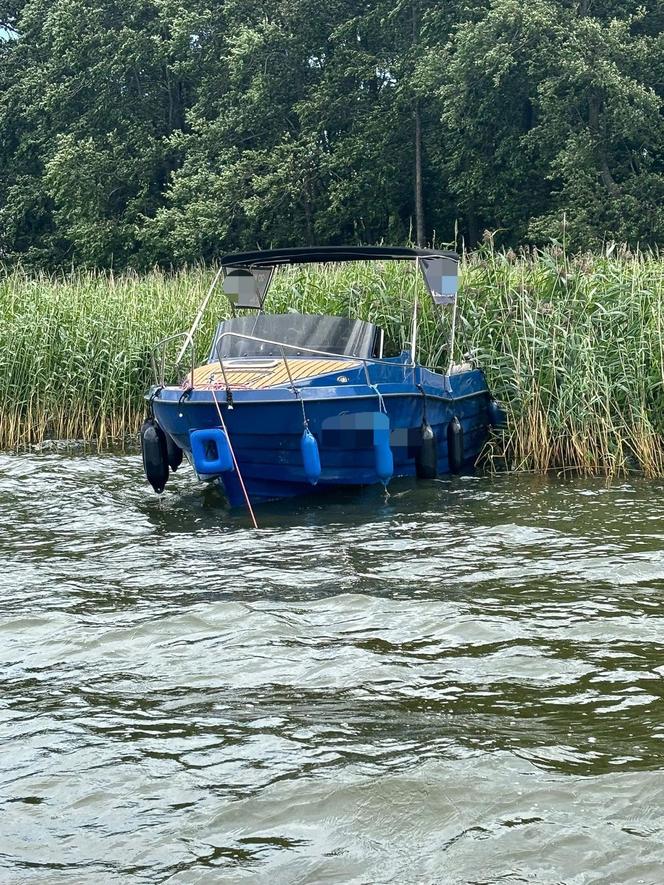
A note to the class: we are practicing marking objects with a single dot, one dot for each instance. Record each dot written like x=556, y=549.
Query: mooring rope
x=237, y=466
x=381, y=401
x=297, y=396
x=295, y=391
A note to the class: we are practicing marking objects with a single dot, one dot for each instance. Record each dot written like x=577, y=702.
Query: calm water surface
x=459, y=684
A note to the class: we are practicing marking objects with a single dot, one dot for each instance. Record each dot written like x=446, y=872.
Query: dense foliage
x=143, y=131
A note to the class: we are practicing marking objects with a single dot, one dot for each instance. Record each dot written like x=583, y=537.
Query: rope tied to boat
x=305, y=420
x=155, y=393
x=296, y=393
x=235, y=464
x=381, y=401
x=424, y=402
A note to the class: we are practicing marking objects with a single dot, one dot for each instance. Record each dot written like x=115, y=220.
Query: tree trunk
x=420, y=235
x=473, y=229
x=593, y=123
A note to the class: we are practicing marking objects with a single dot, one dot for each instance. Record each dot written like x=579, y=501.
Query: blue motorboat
x=290, y=403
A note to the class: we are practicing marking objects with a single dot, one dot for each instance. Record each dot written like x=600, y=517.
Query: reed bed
x=75, y=350
x=572, y=346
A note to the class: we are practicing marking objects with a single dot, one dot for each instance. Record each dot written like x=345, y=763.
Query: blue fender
x=310, y=456
x=383, y=458
x=210, y=451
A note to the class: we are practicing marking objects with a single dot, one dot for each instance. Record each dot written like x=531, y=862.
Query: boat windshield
x=334, y=335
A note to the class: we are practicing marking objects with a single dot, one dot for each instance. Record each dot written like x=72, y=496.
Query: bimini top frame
x=247, y=275
x=320, y=254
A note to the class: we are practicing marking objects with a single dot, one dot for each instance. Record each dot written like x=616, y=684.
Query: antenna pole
x=413, y=337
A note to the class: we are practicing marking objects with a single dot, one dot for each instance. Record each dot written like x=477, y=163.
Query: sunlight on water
x=461, y=682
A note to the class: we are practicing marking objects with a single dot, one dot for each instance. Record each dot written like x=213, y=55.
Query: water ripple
x=460, y=682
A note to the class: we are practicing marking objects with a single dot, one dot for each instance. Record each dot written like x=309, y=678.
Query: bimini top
x=247, y=275
x=315, y=254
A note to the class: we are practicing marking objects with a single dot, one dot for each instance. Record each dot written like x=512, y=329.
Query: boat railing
x=159, y=352
x=302, y=349
x=158, y=356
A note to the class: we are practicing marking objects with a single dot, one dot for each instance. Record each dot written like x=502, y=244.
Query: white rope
x=381, y=401
x=237, y=468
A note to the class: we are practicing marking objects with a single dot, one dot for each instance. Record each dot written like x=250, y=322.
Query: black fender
x=426, y=460
x=173, y=453
x=155, y=454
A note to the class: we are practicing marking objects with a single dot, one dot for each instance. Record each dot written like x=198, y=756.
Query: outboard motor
x=426, y=460
x=155, y=454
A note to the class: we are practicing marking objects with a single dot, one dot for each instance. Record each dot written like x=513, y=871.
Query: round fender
x=310, y=457
x=426, y=461
x=455, y=445
x=384, y=461
x=383, y=457
x=155, y=456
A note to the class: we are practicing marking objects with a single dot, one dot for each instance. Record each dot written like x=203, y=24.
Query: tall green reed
x=74, y=350
x=572, y=346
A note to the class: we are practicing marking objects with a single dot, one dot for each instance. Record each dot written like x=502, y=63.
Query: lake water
x=461, y=683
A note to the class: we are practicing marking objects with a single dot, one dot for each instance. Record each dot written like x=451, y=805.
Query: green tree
x=307, y=128
x=92, y=90
x=135, y=131
x=602, y=132
x=553, y=117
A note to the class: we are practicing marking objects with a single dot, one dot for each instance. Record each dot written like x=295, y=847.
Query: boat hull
x=265, y=428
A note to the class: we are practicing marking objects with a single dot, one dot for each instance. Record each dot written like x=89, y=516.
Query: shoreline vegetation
x=572, y=346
